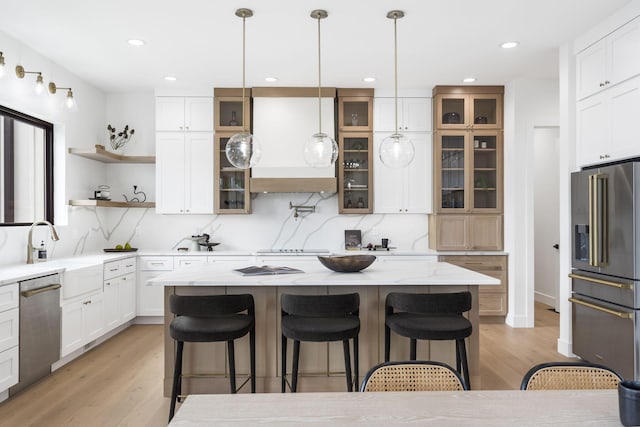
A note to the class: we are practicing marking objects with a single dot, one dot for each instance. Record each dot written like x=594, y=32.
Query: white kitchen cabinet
x=82, y=322
x=184, y=173
x=406, y=190
x=609, y=61
x=177, y=113
x=606, y=124
x=151, y=298
x=9, y=335
x=119, y=292
x=414, y=115
x=183, y=262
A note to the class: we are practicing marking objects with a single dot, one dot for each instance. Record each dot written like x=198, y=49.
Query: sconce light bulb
x=70, y=100
x=39, y=84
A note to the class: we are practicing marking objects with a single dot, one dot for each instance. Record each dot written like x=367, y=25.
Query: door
x=170, y=172
x=546, y=215
x=199, y=173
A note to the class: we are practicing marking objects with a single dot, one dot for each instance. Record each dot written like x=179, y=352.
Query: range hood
x=283, y=120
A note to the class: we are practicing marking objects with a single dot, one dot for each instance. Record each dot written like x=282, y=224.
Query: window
x=26, y=169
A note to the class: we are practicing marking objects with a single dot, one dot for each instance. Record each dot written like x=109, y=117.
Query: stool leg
x=412, y=349
x=356, y=364
x=252, y=355
x=465, y=365
x=387, y=343
x=296, y=357
x=284, y=364
x=177, y=372
x=347, y=364
x=458, y=357
x=232, y=366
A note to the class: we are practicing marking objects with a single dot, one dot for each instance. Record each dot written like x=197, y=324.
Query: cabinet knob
x=186, y=127
x=602, y=84
x=607, y=82
x=181, y=126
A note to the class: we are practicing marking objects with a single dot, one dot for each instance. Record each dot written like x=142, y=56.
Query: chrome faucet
x=297, y=209
x=54, y=236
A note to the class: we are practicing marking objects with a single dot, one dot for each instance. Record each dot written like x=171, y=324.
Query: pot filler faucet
x=54, y=236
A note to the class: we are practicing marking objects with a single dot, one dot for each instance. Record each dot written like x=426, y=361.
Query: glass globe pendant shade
x=396, y=151
x=320, y=151
x=243, y=150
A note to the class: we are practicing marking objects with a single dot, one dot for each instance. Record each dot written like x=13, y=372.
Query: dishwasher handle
x=33, y=292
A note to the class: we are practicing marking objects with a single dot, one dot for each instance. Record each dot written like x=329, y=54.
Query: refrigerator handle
x=598, y=220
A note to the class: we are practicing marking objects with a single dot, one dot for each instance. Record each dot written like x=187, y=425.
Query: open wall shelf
x=100, y=154
x=110, y=204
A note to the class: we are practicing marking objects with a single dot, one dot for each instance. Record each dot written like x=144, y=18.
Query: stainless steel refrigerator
x=605, y=210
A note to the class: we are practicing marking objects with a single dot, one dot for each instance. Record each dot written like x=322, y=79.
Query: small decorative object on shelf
x=233, y=121
x=360, y=203
x=354, y=119
x=136, y=199
x=119, y=139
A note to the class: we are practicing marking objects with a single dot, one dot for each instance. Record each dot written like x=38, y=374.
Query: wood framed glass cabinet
x=231, y=183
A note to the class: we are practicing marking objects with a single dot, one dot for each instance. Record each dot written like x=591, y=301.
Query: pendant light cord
x=244, y=127
x=395, y=62
x=319, y=83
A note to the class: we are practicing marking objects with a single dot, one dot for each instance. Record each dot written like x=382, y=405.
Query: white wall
x=528, y=103
x=83, y=128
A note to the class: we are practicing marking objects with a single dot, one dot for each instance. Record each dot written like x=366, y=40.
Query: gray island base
x=321, y=364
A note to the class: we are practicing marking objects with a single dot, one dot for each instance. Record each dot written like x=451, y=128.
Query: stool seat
x=320, y=329
x=210, y=329
x=430, y=327
x=319, y=318
x=211, y=318
x=437, y=316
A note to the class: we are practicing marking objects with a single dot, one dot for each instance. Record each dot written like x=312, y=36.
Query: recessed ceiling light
x=136, y=42
x=509, y=45
x=271, y=79
x=469, y=79
x=170, y=78
x=369, y=79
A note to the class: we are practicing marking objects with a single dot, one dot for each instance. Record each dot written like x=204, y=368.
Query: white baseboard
x=519, y=321
x=565, y=348
x=148, y=320
x=545, y=299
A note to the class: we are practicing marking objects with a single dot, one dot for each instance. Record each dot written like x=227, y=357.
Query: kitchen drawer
x=189, y=261
x=9, y=296
x=128, y=265
x=81, y=281
x=493, y=304
x=161, y=263
x=9, y=368
x=112, y=269
x=9, y=327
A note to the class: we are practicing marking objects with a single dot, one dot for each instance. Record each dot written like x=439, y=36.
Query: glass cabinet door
x=355, y=114
x=486, y=111
x=451, y=111
x=486, y=171
x=452, y=171
x=233, y=194
x=355, y=177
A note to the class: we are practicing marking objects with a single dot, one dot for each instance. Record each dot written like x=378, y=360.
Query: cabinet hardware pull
x=620, y=314
x=156, y=263
x=602, y=282
x=87, y=302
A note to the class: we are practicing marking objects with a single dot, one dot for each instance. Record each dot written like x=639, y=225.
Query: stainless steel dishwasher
x=39, y=329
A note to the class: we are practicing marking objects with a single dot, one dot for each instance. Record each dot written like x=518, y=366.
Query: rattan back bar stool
x=320, y=318
x=570, y=376
x=429, y=317
x=211, y=318
x=413, y=376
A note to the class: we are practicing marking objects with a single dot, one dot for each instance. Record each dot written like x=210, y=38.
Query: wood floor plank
x=119, y=383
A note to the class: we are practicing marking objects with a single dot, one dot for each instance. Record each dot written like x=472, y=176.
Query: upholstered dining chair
x=570, y=376
x=413, y=376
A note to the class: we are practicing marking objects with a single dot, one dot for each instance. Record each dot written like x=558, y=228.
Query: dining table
x=424, y=408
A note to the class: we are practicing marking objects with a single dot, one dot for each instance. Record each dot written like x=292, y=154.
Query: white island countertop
x=315, y=274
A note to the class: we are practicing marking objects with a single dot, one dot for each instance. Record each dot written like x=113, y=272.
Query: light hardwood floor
x=119, y=383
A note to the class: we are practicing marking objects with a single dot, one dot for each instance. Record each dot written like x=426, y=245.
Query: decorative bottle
x=233, y=121
x=42, y=252
x=360, y=203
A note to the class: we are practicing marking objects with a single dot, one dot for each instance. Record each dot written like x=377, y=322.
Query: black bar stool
x=429, y=317
x=320, y=318
x=211, y=318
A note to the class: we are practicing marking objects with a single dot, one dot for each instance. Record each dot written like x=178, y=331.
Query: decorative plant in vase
x=119, y=139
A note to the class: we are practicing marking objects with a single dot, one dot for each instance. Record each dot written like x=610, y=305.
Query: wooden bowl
x=347, y=263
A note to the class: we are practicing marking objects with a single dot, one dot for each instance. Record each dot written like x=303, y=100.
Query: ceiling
x=200, y=41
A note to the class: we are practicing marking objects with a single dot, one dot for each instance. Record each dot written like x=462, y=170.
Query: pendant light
x=396, y=150
x=243, y=150
x=321, y=150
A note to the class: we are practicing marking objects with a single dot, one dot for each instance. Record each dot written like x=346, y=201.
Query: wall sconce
x=21, y=72
x=1, y=65
x=70, y=102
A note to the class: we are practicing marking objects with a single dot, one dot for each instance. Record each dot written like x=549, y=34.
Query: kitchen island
x=321, y=364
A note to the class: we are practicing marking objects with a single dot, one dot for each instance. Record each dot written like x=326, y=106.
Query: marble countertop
x=378, y=274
